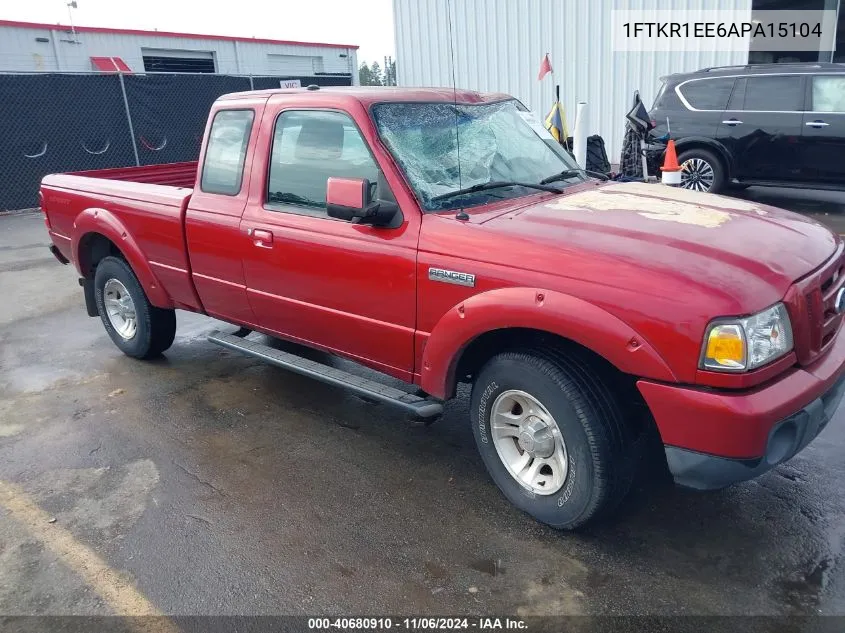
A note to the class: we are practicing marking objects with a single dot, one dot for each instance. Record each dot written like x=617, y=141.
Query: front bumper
x=786, y=439
x=715, y=438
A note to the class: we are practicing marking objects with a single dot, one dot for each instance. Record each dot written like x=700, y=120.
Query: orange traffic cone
x=671, y=169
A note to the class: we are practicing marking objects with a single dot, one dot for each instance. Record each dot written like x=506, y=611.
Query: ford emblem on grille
x=839, y=304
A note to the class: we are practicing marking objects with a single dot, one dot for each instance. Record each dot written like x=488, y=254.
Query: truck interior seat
x=319, y=139
x=317, y=156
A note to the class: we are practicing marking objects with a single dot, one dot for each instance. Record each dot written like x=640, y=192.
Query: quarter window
x=829, y=93
x=774, y=93
x=708, y=94
x=223, y=168
x=659, y=98
x=309, y=147
x=738, y=95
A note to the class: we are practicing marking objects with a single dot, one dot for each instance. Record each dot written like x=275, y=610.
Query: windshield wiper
x=495, y=184
x=568, y=173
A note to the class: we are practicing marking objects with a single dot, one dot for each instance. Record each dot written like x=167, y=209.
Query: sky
x=367, y=23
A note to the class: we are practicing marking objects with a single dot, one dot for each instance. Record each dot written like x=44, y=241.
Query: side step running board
x=419, y=406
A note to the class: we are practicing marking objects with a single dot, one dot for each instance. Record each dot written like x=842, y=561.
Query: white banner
x=681, y=30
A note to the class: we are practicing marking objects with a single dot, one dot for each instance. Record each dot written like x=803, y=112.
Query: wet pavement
x=211, y=484
x=827, y=207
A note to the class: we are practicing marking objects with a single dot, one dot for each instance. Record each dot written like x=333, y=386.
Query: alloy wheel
x=120, y=309
x=529, y=442
x=697, y=174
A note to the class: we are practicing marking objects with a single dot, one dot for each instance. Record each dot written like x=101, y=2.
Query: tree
x=389, y=71
x=375, y=70
x=365, y=75
x=369, y=75
x=373, y=75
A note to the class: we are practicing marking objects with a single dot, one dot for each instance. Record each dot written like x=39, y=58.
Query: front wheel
x=137, y=327
x=552, y=436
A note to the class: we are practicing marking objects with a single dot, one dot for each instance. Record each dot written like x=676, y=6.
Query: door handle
x=816, y=124
x=261, y=238
x=732, y=122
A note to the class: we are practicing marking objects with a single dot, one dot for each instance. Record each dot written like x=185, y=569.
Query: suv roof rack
x=808, y=65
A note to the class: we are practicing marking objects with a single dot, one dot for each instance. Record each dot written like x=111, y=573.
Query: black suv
x=765, y=124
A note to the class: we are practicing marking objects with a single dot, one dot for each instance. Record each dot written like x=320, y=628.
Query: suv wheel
x=552, y=436
x=701, y=170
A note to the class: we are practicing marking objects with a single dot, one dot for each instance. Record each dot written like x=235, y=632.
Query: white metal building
x=498, y=46
x=28, y=47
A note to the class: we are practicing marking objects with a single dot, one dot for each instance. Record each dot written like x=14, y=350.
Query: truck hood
x=745, y=252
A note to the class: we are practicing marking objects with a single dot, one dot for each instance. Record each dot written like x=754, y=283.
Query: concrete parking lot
x=207, y=483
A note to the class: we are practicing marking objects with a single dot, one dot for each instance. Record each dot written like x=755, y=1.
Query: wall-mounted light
x=42, y=39
x=70, y=6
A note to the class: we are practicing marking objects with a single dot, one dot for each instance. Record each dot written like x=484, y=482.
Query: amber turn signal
x=725, y=347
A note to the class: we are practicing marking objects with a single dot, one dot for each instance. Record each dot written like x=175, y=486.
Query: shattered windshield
x=496, y=142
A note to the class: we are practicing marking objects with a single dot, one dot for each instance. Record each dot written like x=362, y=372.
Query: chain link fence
x=56, y=122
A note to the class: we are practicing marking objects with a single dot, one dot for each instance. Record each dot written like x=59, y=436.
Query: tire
x=710, y=163
x=599, y=456
x=154, y=328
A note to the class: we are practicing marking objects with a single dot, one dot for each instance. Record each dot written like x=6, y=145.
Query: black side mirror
x=350, y=199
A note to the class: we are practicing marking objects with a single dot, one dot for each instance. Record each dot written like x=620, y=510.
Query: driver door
x=347, y=288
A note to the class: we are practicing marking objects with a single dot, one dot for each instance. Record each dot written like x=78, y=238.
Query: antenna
x=461, y=215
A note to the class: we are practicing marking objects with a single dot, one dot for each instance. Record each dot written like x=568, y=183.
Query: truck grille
x=816, y=330
x=831, y=319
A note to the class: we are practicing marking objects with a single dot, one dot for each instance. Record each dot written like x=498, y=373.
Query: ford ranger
x=443, y=237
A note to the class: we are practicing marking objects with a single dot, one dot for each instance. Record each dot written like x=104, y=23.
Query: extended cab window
x=829, y=93
x=784, y=93
x=309, y=147
x=708, y=94
x=223, y=169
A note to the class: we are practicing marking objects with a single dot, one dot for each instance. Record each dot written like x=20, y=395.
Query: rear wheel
x=701, y=170
x=137, y=327
x=552, y=436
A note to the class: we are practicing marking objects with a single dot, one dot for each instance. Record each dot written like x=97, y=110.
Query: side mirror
x=350, y=199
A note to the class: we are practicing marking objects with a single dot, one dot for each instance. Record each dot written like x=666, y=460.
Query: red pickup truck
x=443, y=237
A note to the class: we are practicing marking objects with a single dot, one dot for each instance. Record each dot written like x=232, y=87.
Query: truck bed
x=168, y=184
x=147, y=202
x=169, y=174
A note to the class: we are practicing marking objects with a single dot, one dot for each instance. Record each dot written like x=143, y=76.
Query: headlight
x=743, y=344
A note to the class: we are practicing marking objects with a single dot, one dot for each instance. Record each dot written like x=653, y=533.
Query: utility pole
x=389, y=77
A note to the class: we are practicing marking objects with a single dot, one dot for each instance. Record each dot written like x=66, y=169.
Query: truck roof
x=377, y=94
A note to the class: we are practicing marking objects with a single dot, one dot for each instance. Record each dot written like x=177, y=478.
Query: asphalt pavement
x=827, y=207
x=207, y=483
